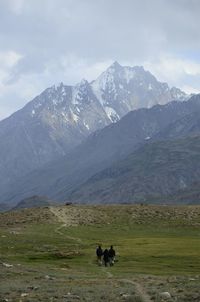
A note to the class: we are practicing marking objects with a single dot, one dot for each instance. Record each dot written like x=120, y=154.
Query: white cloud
x=74, y=69
x=175, y=71
x=66, y=69
x=9, y=59
x=67, y=40
x=189, y=89
x=16, y=6
x=17, y=94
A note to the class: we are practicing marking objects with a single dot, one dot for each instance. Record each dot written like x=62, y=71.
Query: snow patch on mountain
x=129, y=74
x=98, y=92
x=150, y=87
x=86, y=125
x=105, y=81
x=112, y=114
x=74, y=117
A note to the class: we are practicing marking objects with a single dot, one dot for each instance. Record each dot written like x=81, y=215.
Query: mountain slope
x=157, y=169
x=188, y=124
x=47, y=128
x=189, y=195
x=100, y=150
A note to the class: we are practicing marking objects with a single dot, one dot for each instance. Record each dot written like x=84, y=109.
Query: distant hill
x=4, y=207
x=34, y=202
x=97, y=215
x=156, y=170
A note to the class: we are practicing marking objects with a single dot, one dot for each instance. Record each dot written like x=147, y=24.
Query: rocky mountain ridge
x=61, y=117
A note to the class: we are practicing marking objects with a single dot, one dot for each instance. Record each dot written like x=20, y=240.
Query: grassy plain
x=52, y=258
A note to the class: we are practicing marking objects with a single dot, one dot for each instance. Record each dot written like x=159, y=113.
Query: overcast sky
x=44, y=42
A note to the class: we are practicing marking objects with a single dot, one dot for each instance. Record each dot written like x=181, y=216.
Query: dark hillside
x=154, y=171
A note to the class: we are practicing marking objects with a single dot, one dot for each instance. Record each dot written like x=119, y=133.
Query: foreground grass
x=156, y=249
x=144, y=249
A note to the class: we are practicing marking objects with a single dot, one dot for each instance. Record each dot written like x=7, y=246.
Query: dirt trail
x=61, y=215
x=138, y=287
x=108, y=274
x=75, y=215
x=58, y=231
x=139, y=290
x=62, y=218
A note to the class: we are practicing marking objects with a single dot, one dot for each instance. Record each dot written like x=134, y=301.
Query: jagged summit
x=115, y=66
x=83, y=82
x=125, y=88
x=114, y=93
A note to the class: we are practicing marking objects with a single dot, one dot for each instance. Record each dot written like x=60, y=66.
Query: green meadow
x=150, y=247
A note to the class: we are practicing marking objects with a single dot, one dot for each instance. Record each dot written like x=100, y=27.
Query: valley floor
x=48, y=254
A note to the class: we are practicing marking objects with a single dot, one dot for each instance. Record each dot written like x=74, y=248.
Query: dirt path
x=139, y=290
x=62, y=216
x=108, y=274
x=138, y=287
x=58, y=231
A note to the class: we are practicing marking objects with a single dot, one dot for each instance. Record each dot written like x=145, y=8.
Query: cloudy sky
x=44, y=42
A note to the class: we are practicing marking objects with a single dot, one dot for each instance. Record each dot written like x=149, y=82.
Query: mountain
x=154, y=171
x=61, y=117
x=101, y=149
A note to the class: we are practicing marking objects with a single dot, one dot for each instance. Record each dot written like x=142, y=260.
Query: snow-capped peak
x=178, y=94
x=115, y=92
x=114, y=67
